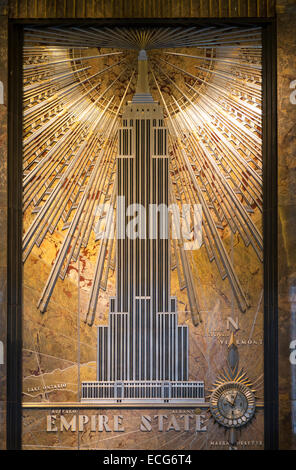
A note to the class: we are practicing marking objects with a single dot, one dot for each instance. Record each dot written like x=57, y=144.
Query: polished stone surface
x=287, y=218
x=3, y=224
x=286, y=12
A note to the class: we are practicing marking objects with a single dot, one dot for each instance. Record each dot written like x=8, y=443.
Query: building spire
x=143, y=94
x=142, y=83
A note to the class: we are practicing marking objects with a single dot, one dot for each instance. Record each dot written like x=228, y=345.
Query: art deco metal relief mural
x=142, y=245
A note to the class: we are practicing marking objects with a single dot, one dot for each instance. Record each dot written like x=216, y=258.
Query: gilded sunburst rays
x=76, y=82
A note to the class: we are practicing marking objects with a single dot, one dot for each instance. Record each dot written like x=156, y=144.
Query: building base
x=158, y=392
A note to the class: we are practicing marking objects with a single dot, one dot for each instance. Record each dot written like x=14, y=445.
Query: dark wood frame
x=14, y=273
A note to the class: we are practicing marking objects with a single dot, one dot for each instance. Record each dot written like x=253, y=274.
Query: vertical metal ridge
x=271, y=412
x=14, y=248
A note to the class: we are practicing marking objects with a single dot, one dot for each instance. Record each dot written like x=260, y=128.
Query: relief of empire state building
x=142, y=355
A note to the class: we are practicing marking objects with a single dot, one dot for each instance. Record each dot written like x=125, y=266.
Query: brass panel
x=23, y=9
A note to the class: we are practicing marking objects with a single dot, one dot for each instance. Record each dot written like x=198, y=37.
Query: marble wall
x=3, y=221
x=286, y=20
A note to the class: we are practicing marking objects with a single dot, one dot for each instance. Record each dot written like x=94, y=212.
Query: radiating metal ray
x=70, y=123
